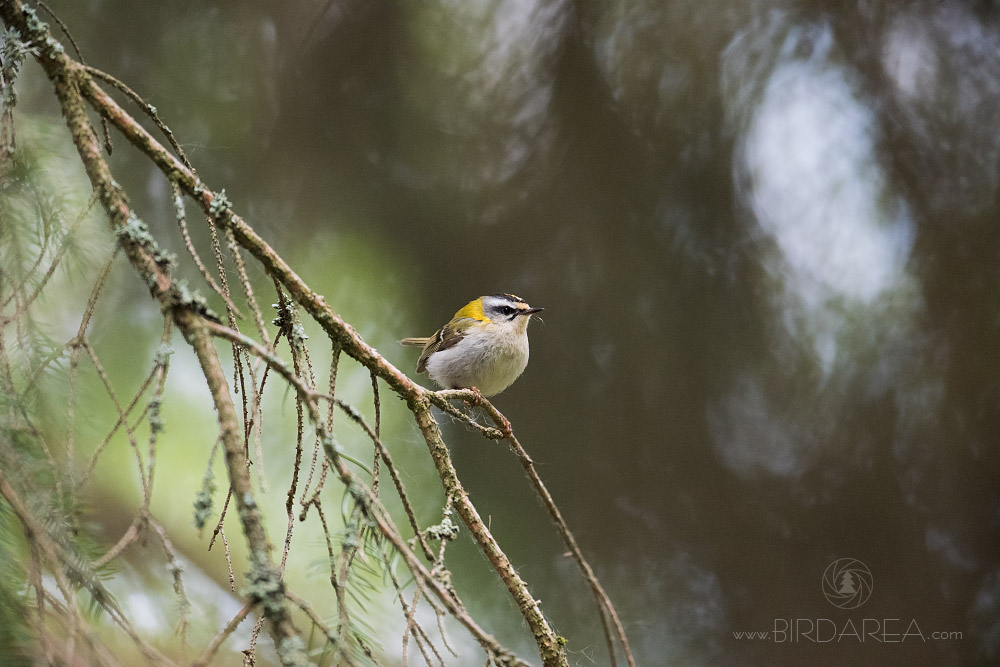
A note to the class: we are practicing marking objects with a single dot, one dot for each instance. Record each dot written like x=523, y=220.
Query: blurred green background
x=766, y=238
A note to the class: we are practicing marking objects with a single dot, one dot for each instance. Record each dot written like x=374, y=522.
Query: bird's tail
x=415, y=341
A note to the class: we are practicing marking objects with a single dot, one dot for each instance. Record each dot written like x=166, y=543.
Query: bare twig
x=146, y=107
x=609, y=616
x=182, y=224
x=79, y=55
x=241, y=269
x=377, y=436
x=213, y=646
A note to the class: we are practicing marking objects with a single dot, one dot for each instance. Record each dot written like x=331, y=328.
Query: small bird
x=484, y=347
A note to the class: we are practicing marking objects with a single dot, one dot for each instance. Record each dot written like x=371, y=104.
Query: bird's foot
x=477, y=396
x=478, y=399
x=505, y=427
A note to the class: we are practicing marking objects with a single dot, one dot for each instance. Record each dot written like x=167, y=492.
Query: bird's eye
x=506, y=310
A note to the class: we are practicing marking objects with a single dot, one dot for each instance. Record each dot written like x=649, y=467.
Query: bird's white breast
x=488, y=361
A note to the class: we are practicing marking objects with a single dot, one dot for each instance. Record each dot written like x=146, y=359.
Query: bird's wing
x=446, y=337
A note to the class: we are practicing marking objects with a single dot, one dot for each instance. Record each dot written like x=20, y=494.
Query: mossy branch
x=145, y=257
x=74, y=85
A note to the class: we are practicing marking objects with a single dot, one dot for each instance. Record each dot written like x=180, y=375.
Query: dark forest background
x=766, y=238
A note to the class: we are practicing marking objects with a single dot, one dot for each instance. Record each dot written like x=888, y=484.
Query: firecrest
x=484, y=347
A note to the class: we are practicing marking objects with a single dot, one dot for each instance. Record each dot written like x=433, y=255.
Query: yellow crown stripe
x=473, y=310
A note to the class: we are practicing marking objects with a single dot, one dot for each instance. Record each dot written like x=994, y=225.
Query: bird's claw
x=477, y=397
x=505, y=428
x=506, y=431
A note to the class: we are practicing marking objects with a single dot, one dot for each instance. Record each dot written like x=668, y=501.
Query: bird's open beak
x=531, y=311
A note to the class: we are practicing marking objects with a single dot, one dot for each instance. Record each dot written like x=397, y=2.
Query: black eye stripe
x=508, y=312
